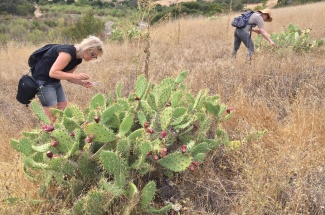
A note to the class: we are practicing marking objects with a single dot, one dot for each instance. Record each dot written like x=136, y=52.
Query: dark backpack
x=38, y=54
x=242, y=20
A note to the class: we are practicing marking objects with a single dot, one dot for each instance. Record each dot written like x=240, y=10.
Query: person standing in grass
x=59, y=63
x=244, y=34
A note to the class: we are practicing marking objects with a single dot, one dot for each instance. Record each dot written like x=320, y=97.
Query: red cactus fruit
x=91, y=136
x=149, y=153
x=163, y=152
x=146, y=124
x=97, y=119
x=49, y=154
x=155, y=157
x=48, y=128
x=230, y=109
x=195, y=163
x=167, y=104
x=163, y=134
x=54, y=143
x=72, y=134
x=136, y=98
x=150, y=130
x=183, y=149
x=192, y=167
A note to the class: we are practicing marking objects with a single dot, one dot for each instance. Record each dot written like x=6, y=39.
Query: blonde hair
x=89, y=44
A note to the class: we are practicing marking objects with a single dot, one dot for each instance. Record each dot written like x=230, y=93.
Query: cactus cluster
x=95, y=155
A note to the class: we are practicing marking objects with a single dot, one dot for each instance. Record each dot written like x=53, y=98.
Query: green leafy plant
x=103, y=155
x=291, y=38
x=88, y=25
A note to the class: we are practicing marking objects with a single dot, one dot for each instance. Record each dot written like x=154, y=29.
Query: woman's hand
x=81, y=76
x=86, y=84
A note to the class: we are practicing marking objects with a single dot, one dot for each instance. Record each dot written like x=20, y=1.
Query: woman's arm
x=266, y=36
x=84, y=83
x=61, y=62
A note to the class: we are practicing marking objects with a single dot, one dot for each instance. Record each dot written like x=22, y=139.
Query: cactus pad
x=31, y=135
x=176, y=98
x=141, y=86
x=181, y=77
x=108, y=113
x=148, y=193
x=39, y=112
x=115, y=165
x=102, y=134
x=28, y=161
x=176, y=162
x=41, y=148
x=98, y=102
x=74, y=112
x=70, y=124
x=136, y=134
x=23, y=145
x=126, y=125
x=165, y=117
x=64, y=139
x=199, y=157
x=200, y=148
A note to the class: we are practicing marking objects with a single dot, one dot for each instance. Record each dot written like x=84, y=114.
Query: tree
x=88, y=25
x=16, y=7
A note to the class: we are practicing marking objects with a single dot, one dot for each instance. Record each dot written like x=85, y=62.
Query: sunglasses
x=92, y=55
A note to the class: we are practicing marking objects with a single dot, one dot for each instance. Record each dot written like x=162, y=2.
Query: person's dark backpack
x=27, y=89
x=27, y=86
x=38, y=54
x=242, y=20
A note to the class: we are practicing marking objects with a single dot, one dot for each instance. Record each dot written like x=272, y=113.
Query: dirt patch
x=269, y=4
x=37, y=11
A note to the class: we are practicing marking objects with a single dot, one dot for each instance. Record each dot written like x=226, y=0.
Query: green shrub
x=109, y=157
x=88, y=25
x=291, y=38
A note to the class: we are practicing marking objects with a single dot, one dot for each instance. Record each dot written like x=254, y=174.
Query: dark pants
x=241, y=35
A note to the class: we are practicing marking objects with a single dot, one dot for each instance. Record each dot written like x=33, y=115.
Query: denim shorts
x=51, y=94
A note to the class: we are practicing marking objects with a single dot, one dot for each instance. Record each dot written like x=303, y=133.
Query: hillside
x=278, y=118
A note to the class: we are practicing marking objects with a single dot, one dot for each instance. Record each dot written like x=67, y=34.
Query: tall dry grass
x=282, y=173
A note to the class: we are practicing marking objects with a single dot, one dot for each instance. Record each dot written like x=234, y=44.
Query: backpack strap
x=250, y=30
x=39, y=86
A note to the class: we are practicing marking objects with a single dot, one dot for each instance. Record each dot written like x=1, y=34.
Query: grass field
x=281, y=173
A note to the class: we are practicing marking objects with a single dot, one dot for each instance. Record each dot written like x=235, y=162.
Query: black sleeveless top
x=42, y=69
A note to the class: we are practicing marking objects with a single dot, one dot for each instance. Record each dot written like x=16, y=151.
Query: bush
x=291, y=38
x=88, y=25
x=110, y=157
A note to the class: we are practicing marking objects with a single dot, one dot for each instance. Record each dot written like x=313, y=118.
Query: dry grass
x=283, y=173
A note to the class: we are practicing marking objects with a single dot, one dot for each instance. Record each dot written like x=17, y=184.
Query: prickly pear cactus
x=96, y=156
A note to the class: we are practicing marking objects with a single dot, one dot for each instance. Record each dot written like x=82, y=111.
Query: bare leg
x=49, y=114
x=60, y=106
